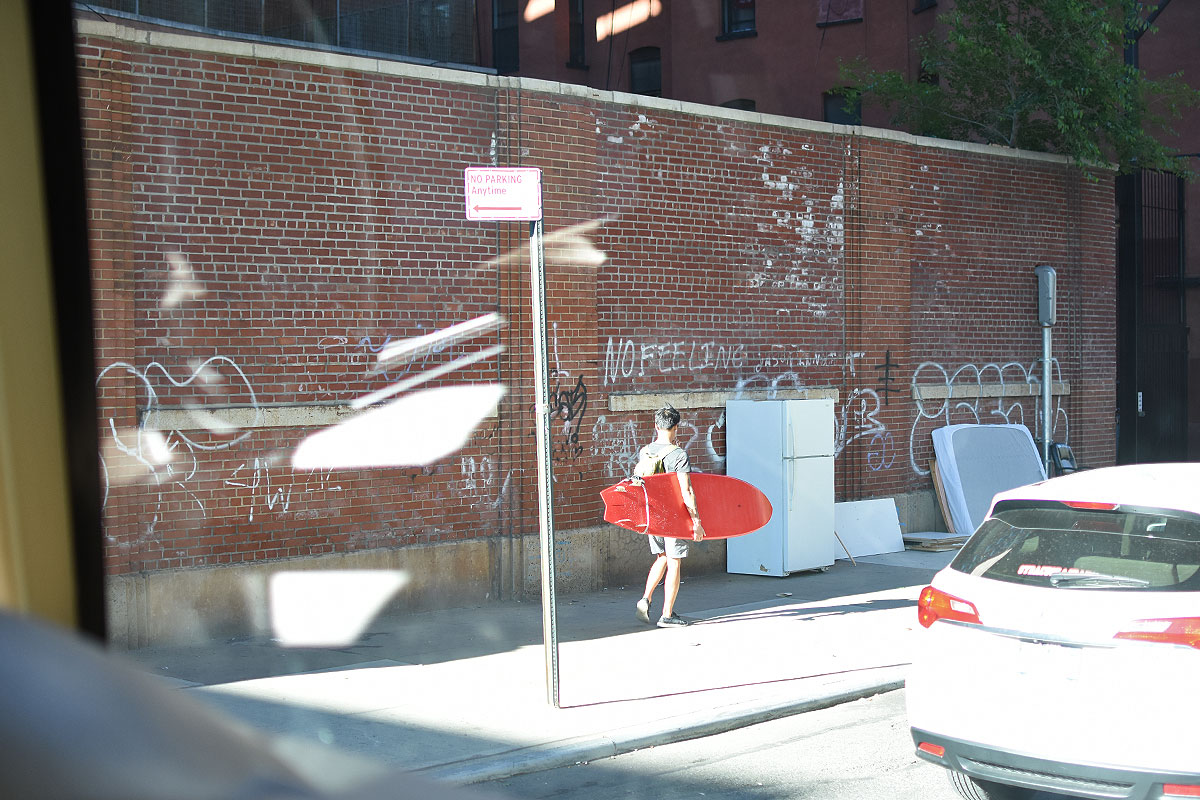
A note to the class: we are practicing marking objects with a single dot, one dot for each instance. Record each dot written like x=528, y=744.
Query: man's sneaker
x=673, y=621
x=643, y=610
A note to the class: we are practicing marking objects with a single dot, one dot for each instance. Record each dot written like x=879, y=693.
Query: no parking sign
x=503, y=193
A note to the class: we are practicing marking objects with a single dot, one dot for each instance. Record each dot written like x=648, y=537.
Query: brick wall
x=265, y=220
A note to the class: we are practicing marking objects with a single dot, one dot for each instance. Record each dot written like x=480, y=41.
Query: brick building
x=782, y=58
x=264, y=219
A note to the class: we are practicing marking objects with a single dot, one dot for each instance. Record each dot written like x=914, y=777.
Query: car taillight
x=1180, y=790
x=1084, y=505
x=934, y=604
x=1179, y=630
x=935, y=750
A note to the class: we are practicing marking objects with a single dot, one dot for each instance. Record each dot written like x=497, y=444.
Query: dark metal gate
x=1152, y=380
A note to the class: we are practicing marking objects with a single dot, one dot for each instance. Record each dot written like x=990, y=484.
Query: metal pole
x=545, y=487
x=1046, y=411
x=1047, y=316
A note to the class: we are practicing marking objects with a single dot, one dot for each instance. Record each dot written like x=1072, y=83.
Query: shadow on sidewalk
x=807, y=612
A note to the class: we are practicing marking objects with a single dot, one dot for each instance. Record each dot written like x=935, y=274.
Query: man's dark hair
x=666, y=418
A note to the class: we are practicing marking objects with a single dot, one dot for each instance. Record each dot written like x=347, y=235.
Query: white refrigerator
x=785, y=448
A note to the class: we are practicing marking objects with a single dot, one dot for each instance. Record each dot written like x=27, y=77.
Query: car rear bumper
x=1081, y=780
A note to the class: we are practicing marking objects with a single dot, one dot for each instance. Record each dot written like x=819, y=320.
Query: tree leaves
x=1046, y=75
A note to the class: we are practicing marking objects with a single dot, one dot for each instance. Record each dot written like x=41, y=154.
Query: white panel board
x=868, y=527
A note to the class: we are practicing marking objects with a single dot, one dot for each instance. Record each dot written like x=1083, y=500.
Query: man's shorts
x=672, y=547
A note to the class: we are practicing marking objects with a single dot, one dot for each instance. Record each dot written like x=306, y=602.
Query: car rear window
x=1054, y=545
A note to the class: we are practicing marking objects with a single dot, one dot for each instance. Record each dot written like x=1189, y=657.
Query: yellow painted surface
x=36, y=572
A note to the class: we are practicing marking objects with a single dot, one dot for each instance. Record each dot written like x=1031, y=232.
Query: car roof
x=1171, y=486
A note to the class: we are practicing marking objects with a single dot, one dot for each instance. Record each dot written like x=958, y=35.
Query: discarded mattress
x=977, y=461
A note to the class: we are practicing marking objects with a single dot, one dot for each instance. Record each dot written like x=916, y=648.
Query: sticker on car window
x=1046, y=570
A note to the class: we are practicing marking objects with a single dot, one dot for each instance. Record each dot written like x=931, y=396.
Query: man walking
x=664, y=455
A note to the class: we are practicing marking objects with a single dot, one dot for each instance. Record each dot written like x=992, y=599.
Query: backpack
x=652, y=464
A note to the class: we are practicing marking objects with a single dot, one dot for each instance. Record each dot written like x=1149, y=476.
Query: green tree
x=1047, y=75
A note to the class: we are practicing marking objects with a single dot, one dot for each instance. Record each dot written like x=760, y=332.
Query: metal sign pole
x=545, y=487
x=1047, y=401
x=511, y=194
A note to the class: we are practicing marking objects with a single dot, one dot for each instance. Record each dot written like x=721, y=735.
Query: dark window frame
x=641, y=57
x=741, y=104
x=842, y=117
x=835, y=22
x=576, y=35
x=510, y=36
x=735, y=26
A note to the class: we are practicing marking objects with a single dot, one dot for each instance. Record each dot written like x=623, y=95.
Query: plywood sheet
x=940, y=491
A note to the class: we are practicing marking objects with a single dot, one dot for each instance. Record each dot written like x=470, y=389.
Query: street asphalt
x=463, y=696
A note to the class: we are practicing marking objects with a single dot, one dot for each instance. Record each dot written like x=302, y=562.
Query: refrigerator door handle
x=789, y=477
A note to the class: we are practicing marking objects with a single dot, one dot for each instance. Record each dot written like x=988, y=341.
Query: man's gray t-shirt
x=674, y=461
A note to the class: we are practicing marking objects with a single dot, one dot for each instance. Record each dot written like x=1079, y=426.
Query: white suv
x=1062, y=643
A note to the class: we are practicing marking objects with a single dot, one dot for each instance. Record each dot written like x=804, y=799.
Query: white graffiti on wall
x=976, y=409
x=626, y=358
x=481, y=481
x=259, y=483
x=618, y=443
x=859, y=420
x=169, y=457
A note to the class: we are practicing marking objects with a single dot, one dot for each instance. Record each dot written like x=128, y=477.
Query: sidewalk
x=460, y=696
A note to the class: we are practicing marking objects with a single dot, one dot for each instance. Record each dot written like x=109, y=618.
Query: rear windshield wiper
x=1077, y=581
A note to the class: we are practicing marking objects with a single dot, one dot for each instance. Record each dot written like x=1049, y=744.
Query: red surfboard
x=728, y=506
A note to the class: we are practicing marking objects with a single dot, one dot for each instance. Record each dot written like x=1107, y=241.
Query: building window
x=505, y=43
x=439, y=30
x=924, y=5
x=737, y=19
x=838, y=12
x=741, y=104
x=577, y=57
x=645, y=71
x=836, y=111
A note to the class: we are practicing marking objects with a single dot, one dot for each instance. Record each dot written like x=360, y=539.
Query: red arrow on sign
x=503, y=193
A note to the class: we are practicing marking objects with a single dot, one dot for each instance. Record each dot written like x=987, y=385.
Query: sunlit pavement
x=462, y=695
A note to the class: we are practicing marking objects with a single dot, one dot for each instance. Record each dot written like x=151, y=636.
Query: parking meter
x=1047, y=295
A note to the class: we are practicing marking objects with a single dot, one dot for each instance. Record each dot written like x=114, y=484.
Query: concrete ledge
x=234, y=418
x=942, y=391
x=652, y=401
x=231, y=418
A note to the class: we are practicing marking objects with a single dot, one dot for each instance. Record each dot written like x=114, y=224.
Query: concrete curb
x=580, y=750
